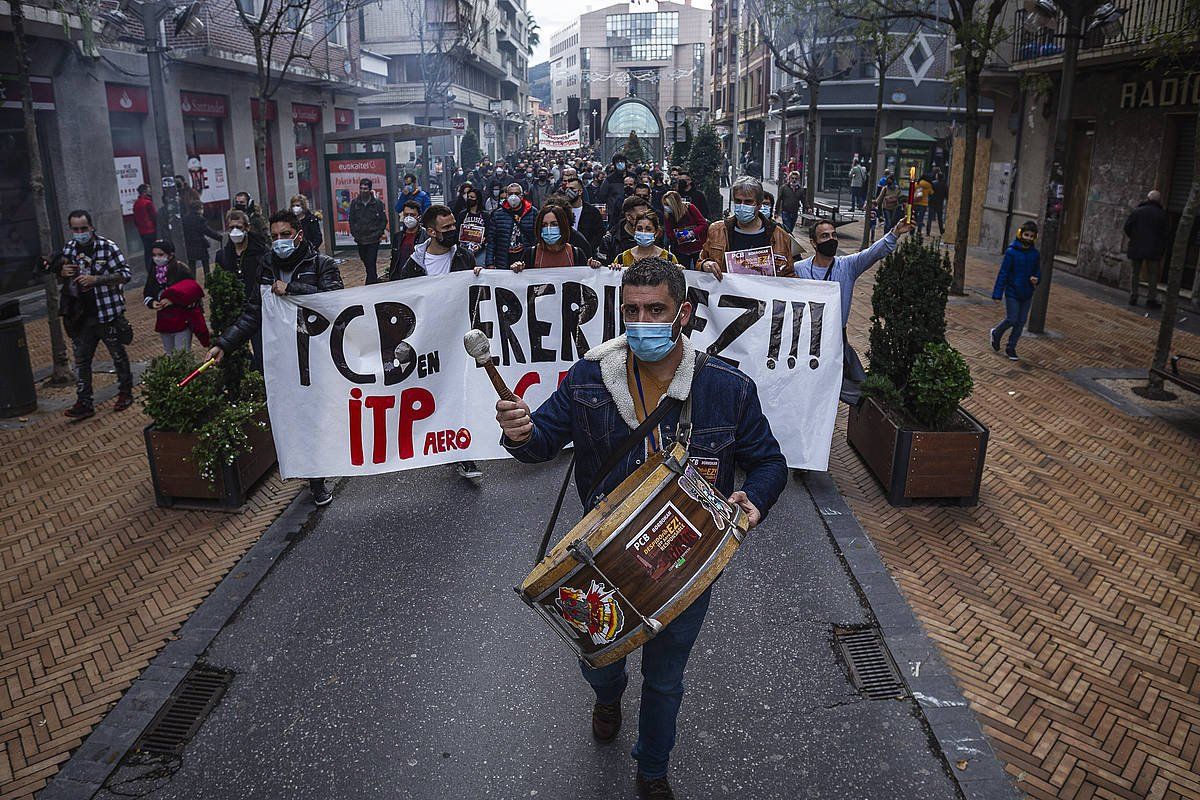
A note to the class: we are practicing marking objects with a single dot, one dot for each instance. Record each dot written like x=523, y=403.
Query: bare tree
x=810, y=42
x=974, y=27
x=286, y=35
x=61, y=373
x=447, y=31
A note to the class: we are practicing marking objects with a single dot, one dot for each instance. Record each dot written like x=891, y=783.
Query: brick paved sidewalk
x=94, y=578
x=1067, y=603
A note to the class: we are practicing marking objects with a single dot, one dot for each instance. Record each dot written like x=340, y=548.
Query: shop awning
x=910, y=134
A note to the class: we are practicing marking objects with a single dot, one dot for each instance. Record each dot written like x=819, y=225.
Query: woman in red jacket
x=172, y=291
x=685, y=228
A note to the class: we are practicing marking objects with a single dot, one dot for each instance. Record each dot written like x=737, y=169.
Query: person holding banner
x=647, y=229
x=601, y=401
x=747, y=235
x=826, y=265
x=291, y=267
x=555, y=246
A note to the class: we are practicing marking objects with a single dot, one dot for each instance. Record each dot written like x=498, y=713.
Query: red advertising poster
x=343, y=118
x=305, y=113
x=127, y=99
x=345, y=171
x=195, y=104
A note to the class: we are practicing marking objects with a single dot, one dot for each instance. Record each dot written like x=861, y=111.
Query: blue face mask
x=651, y=341
x=744, y=212
x=644, y=238
x=551, y=234
x=620, y=165
x=283, y=247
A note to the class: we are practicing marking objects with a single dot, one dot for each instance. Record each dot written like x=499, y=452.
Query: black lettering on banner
x=797, y=321
x=476, y=295
x=538, y=329
x=579, y=305
x=610, y=313
x=816, y=312
x=754, y=311
x=337, y=344
x=697, y=297
x=396, y=323
x=308, y=324
x=777, y=309
x=508, y=312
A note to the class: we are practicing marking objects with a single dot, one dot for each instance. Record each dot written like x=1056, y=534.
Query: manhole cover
x=185, y=711
x=871, y=667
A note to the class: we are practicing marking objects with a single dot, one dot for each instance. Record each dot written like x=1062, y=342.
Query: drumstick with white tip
x=480, y=349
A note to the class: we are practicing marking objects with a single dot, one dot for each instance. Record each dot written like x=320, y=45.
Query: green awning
x=909, y=134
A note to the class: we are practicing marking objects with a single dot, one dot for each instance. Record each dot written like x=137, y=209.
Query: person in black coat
x=310, y=223
x=1148, y=228
x=195, y=232
x=292, y=267
x=587, y=219
x=613, y=191
x=440, y=253
x=688, y=191
x=242, y=255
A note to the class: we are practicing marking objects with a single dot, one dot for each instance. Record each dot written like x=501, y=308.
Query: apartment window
x=335, y=22
x=698, y=74
x=247, y=7
x=658, y=27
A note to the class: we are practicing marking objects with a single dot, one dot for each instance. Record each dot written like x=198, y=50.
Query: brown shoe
x=79, y=411
x=124, y=401
x=606, y=721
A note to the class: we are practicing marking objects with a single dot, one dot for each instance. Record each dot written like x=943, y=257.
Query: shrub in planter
x=910, y=430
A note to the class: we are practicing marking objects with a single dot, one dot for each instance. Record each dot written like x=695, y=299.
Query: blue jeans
x=858, y=197
x=789, y=220
x=663, y=660
x=1016, y=311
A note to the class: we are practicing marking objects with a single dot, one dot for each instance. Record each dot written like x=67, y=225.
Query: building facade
x=470, y=56
x=96, y=124
x=657, y=53
x=1132, y=129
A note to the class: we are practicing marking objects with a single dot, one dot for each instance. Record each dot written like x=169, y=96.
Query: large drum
x=637, y=560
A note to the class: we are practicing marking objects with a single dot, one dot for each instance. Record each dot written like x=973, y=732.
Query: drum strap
x=683, y=435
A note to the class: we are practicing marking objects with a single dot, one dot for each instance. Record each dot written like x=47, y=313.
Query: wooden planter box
x=916, y=464
x=177, y=481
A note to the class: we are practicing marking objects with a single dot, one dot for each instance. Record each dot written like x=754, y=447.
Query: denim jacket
x=593, y=408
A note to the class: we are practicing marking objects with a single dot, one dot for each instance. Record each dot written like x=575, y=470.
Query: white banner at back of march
x=375, y=378
x=559, y=141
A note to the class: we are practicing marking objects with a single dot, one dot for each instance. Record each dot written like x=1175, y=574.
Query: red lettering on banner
x=527, y=380
x=379, y=404
x=441, y=441
x=356, y=443
x=415, y=404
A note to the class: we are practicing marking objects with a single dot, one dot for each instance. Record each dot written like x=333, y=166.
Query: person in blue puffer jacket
x=1019, y=275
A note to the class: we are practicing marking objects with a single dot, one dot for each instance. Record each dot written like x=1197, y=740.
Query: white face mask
x=410, y=222
x=297, y=210
x=514, y=200
x=160, y=260
x=236, y=235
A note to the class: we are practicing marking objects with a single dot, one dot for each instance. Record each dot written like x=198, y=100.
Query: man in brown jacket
x=747, y=229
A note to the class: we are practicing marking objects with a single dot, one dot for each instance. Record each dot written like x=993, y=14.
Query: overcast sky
x=553, y=14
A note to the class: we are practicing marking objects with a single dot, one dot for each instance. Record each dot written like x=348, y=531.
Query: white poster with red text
x=375, y=378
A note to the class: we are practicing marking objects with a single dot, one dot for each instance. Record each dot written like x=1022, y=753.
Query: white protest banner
x=375, y=379
x=559, y=141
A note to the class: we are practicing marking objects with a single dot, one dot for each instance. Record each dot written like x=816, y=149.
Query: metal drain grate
x=185, y=711
x=871, y=666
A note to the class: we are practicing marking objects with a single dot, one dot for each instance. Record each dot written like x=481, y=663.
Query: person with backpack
x=858, y=185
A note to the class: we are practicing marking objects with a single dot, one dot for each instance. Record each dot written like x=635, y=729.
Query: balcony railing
x=1144, y=21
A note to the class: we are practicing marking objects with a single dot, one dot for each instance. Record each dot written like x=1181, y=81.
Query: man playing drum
x=603, y=398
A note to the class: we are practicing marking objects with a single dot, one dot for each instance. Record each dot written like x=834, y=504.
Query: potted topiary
x=210, y=441
x=910, y=429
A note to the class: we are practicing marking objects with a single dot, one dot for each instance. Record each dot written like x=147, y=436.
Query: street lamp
x=784, y=98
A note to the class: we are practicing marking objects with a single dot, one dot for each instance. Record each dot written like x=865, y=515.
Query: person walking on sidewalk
x=1019, y=276
x=826, y=265
x=858, y=185
x=195, y=235
x=310, y=222
x=791, y=201
x=172, y=291
x=368, y=221
x=145, y=219
x=937, y=204
x=1148, y=229
x=94, y=271
x=292, y=267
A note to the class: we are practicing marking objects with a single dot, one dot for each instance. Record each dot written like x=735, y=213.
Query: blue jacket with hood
x=1019, y=265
